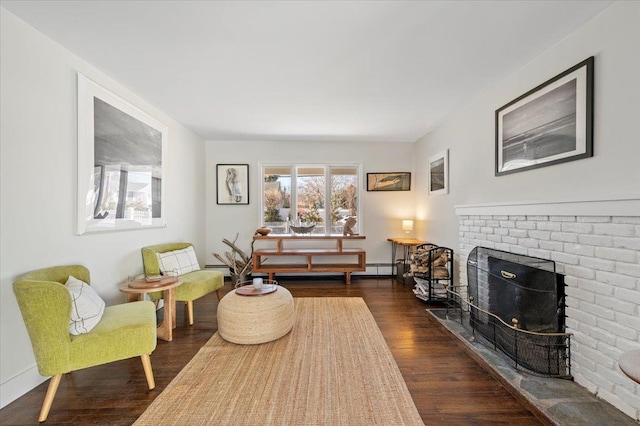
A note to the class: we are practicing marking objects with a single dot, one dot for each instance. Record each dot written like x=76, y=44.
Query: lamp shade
x=407, y=226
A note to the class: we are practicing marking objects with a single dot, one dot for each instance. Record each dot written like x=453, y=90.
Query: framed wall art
x=232, y=185
x=120, y=163
x=396, y=181
x=550, y=124
x=439, y=173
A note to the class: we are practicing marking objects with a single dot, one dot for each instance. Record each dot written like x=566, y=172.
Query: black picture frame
x=392, y=181
x=439, y=173
x=232, y=184
x=550, y=124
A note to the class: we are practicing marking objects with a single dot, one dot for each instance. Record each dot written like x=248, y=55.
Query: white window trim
x=294, y=194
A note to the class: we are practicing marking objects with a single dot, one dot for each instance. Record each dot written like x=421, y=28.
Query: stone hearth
x=562, y=401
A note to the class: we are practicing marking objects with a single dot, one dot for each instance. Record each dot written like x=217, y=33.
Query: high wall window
x=324, y=195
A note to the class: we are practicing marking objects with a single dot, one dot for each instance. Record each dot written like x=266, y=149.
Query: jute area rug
x=333, y=368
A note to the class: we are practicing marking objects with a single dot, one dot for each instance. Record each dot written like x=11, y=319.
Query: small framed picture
x=439, y=173
x=232, y=184
x=396, y=181
x=550, y=124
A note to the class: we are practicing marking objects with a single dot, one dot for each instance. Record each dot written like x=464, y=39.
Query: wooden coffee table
x=136, y=289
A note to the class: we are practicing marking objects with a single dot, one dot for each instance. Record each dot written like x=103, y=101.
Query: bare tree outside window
x=306, y=190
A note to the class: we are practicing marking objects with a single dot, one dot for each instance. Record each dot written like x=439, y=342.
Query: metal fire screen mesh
x=516, y=303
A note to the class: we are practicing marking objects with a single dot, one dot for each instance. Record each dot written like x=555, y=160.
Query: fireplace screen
x=516, y=302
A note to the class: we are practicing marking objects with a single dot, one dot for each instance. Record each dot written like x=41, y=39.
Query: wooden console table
x=406, y=244
x=305, y=259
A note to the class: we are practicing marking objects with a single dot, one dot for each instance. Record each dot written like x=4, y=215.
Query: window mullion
x=327, y=200
x=293, y=213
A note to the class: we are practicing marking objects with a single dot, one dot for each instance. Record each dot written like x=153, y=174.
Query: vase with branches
x=240, y=264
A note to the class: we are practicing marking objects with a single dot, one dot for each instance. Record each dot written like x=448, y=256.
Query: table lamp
x=407, y=226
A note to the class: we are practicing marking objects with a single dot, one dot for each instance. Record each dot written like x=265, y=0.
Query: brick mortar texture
x=600, y=257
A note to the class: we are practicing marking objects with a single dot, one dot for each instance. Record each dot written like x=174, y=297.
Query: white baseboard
x=18, y=385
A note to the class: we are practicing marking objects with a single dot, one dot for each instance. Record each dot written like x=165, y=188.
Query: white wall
x=38, y=184
x=382, y=212
x=613, y=173
x=613, y=37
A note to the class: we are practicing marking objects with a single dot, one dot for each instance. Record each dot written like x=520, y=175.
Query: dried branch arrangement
x=237, y=260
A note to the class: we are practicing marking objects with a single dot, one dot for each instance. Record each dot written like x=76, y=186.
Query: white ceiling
x=381, y=71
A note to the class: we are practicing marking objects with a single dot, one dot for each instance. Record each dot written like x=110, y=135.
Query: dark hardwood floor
x=447, y=385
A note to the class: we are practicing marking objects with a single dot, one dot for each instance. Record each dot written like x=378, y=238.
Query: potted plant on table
x=240, y=264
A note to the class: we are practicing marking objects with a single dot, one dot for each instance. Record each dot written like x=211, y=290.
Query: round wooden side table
x=136, y=289
x=630, y=364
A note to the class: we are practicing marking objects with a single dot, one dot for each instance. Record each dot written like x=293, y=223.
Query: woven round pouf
x=249, y=320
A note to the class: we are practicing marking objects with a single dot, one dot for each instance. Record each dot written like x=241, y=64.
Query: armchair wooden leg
x=48, y=398
x=190, y=311
x=148, y=372
x=218, y=294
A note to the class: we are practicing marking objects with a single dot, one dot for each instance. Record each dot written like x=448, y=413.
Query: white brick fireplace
x=596, y=245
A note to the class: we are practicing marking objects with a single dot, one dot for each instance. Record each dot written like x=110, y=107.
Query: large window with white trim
x=324, y=195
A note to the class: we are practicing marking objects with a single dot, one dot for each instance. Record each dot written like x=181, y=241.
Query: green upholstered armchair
x=195, y=284
x=124, y=331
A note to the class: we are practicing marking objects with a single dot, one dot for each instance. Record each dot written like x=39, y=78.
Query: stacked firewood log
x=423, y=259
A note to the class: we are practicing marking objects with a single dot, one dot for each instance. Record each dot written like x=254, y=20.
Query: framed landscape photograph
x=396, y=181
x=120, y=163
x=550, y=124
x=439, y=173
x=232, y=184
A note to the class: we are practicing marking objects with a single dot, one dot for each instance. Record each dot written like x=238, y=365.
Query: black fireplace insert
x=516, y=303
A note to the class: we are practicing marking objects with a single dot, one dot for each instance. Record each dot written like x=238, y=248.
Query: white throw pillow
x=178, y=261
x=87, y=307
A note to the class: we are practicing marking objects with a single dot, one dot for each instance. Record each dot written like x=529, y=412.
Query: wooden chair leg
x=218, y=294
x=48, y=398
x=148, y=372
x=190, y=311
